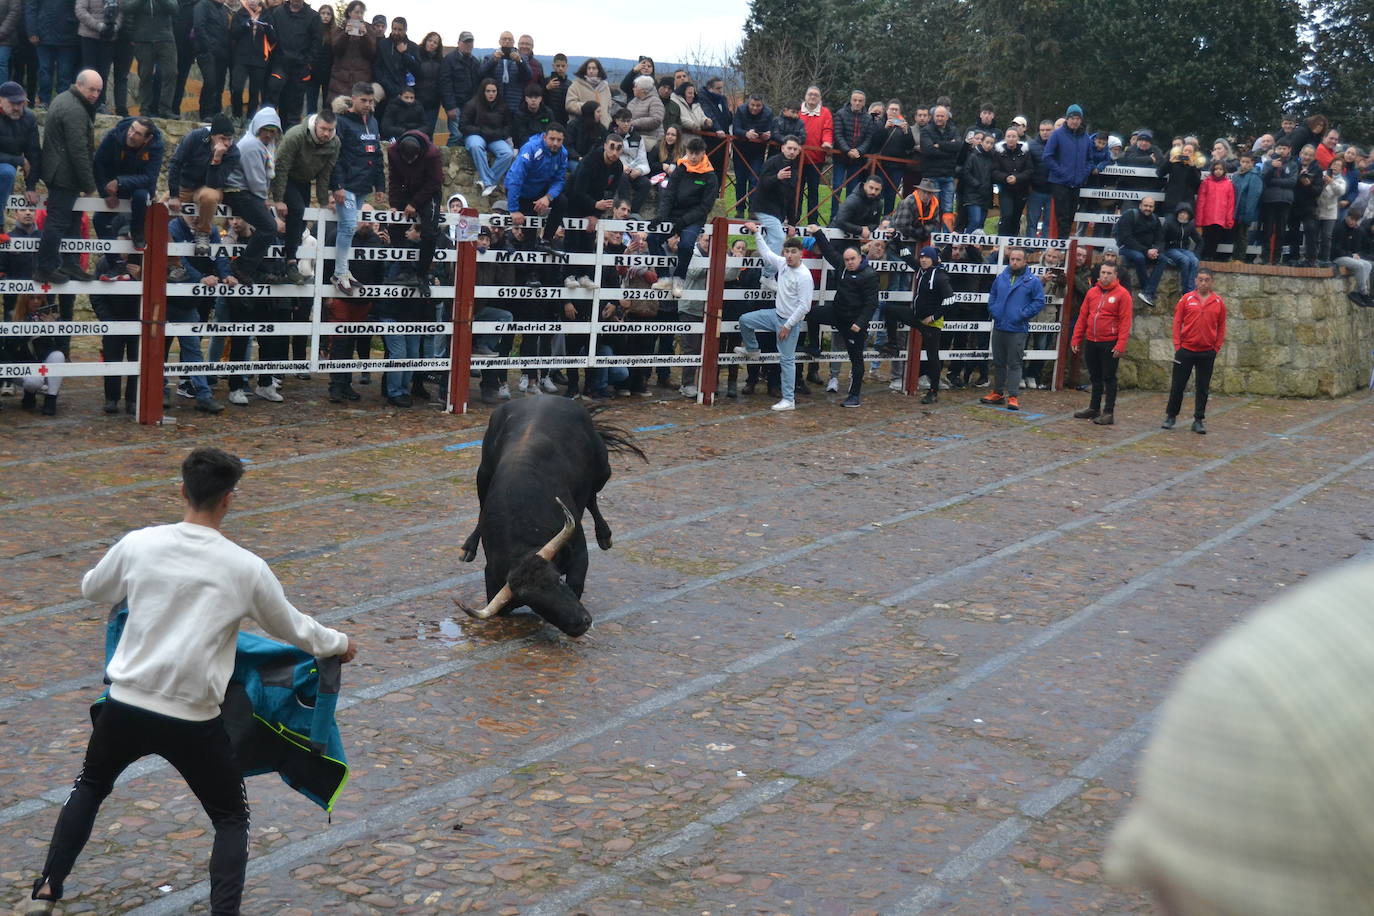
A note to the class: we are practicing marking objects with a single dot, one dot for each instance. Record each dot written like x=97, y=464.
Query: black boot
x=49, y=408
x=29, y=401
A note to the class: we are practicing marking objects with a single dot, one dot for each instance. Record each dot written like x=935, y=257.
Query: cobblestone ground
x=892, y=660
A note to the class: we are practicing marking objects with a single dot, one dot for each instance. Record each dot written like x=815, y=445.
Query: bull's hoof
x=468, y=556
x=604, y=542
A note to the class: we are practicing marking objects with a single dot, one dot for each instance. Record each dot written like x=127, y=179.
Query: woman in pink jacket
x=1216, y=209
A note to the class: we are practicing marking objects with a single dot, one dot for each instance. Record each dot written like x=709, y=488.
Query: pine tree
x=1338, y=81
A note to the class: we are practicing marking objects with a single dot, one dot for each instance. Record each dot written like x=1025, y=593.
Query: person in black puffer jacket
x=487, y=129
x=429, y=60
x=931, y=303
x=848, y=314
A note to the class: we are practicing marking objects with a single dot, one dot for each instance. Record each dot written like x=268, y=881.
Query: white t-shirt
x=189, y=588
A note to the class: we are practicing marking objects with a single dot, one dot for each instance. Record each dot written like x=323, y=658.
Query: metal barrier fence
x=307, y=306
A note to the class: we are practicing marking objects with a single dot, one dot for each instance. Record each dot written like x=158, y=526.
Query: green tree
x=1338, y=81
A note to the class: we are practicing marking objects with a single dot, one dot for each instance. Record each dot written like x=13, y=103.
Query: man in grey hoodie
x=246, y=189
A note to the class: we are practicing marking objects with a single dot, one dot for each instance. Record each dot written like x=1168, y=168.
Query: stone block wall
x=1290, y=333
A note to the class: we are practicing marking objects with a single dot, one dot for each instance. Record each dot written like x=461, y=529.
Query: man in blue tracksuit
x=1070, y=158
x=1017, y=296
x=534, y=183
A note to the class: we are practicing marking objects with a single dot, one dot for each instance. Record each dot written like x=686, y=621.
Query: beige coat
x=688, y=117
x=647, y=115
x=581, y=91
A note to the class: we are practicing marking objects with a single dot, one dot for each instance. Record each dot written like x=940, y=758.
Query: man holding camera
x=510, y=72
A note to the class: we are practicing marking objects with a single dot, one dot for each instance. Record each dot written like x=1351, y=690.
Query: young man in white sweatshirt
x=189, y=588
x=795, y=289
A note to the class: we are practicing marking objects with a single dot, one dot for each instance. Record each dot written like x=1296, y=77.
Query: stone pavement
x=893, y=660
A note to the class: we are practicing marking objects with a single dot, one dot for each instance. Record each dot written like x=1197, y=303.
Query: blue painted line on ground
x=645, y=429
x=459, y=446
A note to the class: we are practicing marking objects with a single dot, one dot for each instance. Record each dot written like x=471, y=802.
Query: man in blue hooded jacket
x=1017, y=296
x=535, y=182
x=126, y=165
x=1069, y=157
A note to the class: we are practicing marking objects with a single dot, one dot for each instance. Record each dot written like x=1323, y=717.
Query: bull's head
x=535, y=581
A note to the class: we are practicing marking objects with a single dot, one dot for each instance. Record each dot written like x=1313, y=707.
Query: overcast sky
x=668, y=32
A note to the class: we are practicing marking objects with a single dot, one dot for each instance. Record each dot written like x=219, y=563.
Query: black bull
x=544, y=459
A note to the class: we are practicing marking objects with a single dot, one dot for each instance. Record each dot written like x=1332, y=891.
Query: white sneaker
x=571, y=283
x=785, y=404
x=1029, y=383
x=678, y=289
x=665, y=284
x=747, y=353
x=587, y=282
x=896, y=385
x=239, y=397
x=833, y=385
x=688, y=391
x=504, y=391
x=523, y=385
x=548, y=385
x=344, y=282
x=488, y=190
x=268, y=393
x=922, y=383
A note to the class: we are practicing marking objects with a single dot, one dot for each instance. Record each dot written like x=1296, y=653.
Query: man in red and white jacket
x=1104, y=321
x=820, y=132
x=1199, y=332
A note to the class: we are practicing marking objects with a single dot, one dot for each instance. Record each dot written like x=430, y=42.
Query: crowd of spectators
x=556, y=144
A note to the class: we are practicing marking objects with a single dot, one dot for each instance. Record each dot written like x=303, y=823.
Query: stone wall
x=1291, y=333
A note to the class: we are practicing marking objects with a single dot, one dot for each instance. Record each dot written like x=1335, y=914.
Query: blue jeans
x=1146, y=270
x=492, y=342
x=845, y=175
x=7, y=173
x=190, y=347
x=489, y=173
x=55, y=63
x=455, y=133
x=946, y=186
x=1037, y=213
x=771, y=234
x=104, y=222
x=399, y=346
x=599, y=378
x=976, y=217
x=348, y=225
x=750, y=323
x=5, y=51
x=1186, y=262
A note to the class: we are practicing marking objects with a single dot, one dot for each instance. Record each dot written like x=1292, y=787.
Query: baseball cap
x=12, y=92
x=466, y=36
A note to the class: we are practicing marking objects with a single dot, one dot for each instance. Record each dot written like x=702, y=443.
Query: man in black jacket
x=200, y=164
x=941, y=146
x=752, y=128
x=862, y=210
x=458, y=79
x=396, y=58
x=127, y=164
x=20, y=147
x=775, y=202
x=686, y=202
x=853, y=128
x=357, y=174
x=891, y=138
x=1012, y=169
x=591, y=194
x=856, y=299
x=68, y=154
x=1139, y=236
x=210, y=25
x=975, y=183
x=297, y=27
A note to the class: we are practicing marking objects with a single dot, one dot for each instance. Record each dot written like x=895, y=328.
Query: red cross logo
x=46, y=287
x=43, y=370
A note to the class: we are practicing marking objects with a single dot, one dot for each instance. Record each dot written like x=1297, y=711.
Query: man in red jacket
x=1199, y=332
x=820, y=131
x=1105, y=322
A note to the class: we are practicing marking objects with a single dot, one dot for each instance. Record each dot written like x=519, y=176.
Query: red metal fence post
x=153, y=334
x=460, y=344
x=911, y=374
x=715, y=302
x=1066, y=315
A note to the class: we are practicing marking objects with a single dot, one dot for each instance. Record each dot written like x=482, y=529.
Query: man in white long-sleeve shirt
x=188, y=589
x=793, y=301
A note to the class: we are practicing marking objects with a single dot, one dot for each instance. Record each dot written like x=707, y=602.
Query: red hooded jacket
x=1105, y=316
x=1216, y=202
x=1199, y=325
x=415, y=183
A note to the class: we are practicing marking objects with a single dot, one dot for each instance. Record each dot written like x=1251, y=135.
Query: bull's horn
x=548, y=551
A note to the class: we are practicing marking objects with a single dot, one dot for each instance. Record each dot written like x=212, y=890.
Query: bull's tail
x=617, y=438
